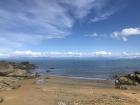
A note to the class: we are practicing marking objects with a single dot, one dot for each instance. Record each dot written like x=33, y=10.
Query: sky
x=70, y=28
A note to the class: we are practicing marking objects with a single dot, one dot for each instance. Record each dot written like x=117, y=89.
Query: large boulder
x=5, y=68
x=21, y=74
x=13, y=69
x=9, y=83
x=12, y=72
x=18, y=73
x=129, y=79
x=123, y=80
x=137, y=74
x=131, y=76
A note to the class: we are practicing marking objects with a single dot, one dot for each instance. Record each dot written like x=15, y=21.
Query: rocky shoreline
x=11, y=73
x=131, y=79
x=53, y=90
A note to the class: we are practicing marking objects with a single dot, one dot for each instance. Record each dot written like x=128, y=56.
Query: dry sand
x=68, y=91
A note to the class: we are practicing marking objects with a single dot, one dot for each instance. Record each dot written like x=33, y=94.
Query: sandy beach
x=55, y=90
x=69, y=52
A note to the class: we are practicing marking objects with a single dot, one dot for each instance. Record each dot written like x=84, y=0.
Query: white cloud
x=125, y=33
x=102, y=16
x=104, y=11
x=103, y=53
x=48, y=54
x=28, y=53
x=80, y=8
x=39, y=20
x=56, y=54
x=17, y=39
x=96, y=36
x=130, y=54
x=61, y=54
x=45, y=17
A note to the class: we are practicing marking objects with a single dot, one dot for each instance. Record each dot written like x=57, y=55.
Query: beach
x=56, y=90
x=69, y=52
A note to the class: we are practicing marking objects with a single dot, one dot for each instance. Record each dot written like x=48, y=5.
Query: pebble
x=61, y=103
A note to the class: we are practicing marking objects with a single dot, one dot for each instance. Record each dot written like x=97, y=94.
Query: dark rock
x=123, y=82
x=138, y=78
x=114, y=76
x=137, y=72
x=24, y=66
x=1, y=99
x=130, y=79
x=52, y=68
x=48, y=71
x=131, y=76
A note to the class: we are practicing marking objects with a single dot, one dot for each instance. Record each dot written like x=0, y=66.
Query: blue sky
x=61, y=28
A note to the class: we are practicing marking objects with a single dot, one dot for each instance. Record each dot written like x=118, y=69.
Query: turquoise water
x=88, y=68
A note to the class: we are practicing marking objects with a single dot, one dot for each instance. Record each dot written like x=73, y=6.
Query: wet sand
x=69, y=91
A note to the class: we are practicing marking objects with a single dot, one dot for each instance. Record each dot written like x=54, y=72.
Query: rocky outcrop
x=5, y=68
x=9, y=83
x=24, y=66
x=12, y=69
x=130, y=79
x=137, y=74
x=11, y=73
x=18, y=73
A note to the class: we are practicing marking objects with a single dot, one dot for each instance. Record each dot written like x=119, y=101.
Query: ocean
x=84, y=67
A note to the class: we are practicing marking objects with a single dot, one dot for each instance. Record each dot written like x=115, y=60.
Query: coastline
x=21, y=87
x=83, y=80
x=77, y=77
x=56, y=90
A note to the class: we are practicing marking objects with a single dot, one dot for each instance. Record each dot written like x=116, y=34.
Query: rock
x=12, y=72
x=9, y=83
x=21, y=74
x=131, y=76
x=34, y=75
x=5, y=68
x=61, y=103
x=12, y=69
x=137, y=72
x=123, y=80
x=18, y=73
x=25, y=66
x=48, y=71
x=52, y=68
x=138, y=78
x=1, y=99
x=114, y=76
x=130, y=79
x=134, y=76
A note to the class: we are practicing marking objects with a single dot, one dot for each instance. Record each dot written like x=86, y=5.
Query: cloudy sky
x=70, y=28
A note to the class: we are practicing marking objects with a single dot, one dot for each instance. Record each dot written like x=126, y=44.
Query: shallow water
x=87, y=68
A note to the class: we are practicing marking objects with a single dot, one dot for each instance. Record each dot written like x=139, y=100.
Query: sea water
x=84, y=67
